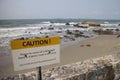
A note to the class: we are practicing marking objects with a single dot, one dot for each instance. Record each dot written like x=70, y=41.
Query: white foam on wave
x=46, y=22
x=80, y=29
x=58, y=24
x=109, y=25
x=72, y=23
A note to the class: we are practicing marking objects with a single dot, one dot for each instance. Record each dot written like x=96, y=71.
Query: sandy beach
x=88, y=49
x=93, y=48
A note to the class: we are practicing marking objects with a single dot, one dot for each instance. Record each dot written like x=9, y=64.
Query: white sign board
x=33, y=53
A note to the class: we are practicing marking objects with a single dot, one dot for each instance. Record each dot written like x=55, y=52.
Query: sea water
x=39, y=22
x=30, y=28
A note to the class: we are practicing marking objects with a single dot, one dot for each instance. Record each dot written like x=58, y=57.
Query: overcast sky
x=29, y=9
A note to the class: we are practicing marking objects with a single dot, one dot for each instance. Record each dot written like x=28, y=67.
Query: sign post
x=39, y=73
x=32, y=53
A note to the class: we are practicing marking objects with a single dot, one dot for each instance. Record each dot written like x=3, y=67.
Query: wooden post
x=39, y=73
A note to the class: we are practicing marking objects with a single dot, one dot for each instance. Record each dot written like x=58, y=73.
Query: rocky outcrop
x=103, y=32
x=90, y=23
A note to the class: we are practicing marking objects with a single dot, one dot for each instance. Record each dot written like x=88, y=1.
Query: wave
x=108, y=24
x=46, y=22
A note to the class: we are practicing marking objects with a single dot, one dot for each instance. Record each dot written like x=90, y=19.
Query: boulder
x=67, y=23
x=110, y=73
x=91, y=75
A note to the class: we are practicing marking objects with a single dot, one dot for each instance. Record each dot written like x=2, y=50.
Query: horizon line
x=60, y=18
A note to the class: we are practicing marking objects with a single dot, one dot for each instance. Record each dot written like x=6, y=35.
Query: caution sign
x=37, y=52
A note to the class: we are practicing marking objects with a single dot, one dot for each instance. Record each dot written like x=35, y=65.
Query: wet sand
x=93, y=48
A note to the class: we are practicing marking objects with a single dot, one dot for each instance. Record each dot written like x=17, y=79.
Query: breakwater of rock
x=103, y=68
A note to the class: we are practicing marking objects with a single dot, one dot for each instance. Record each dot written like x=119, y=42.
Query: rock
x=59, y=31
x=88, y=45
x=117, y=77
x=78, y=35
x=67, y=23
x=94, y=69
x=100, y=72
x=76, y=25
x=51, y=28
x=91, y=75
x=117, y=30
x=54, y=75
x=90, y=23
x=110, y=73
x=48, y=74
x=68, y=32
x=117, y=68
x=101, y=32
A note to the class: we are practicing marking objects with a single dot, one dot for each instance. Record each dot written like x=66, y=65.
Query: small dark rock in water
x=68, y=32
x=66, y=36
x=78, y=35
x=83, y=26
x=117, y=30
x=73, y=39
x=76, y=30
x=59, y=31
x=51, y=28
x=50, y=25
x=67, y=23
x=86, y=37
x=41, y=28
x=76, y=25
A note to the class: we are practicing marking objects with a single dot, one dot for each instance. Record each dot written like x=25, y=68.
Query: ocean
x=38, y=22
x=31, y=28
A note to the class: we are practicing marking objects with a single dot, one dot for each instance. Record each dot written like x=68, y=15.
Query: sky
x=40, y=9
